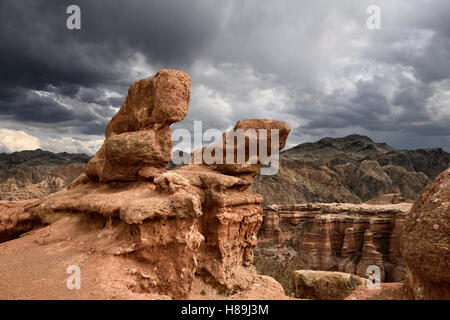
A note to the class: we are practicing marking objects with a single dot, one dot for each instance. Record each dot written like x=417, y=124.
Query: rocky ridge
x=33, y=174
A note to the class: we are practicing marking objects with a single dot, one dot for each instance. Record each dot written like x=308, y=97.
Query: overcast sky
x=313, y=64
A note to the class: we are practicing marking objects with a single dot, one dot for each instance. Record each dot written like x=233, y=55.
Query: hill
x=349, y=169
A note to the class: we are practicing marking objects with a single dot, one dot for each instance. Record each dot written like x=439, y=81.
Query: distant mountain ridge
x=349, y=169
x=33, y=173
x=40, y=157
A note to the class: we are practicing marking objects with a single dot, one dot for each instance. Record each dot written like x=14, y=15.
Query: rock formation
x=341, y=237
x=353, y=169
x=390, y=198
x=168, y=227
x=348, y=250
x=324, y=285
x=370, y=257
x=33, y=174
x=16, y=218
x=425, y=242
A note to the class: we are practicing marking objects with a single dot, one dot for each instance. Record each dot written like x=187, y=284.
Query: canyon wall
x=352, y=169
x=341, y=237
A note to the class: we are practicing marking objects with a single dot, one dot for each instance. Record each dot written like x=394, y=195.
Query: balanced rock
x=425, y=242
x=147, y=230
x=243, y=149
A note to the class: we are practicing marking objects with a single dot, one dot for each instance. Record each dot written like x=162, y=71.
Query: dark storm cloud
x=312, y=64
x=30, y=106
x=38, y=52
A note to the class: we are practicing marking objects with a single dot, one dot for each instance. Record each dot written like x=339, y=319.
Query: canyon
x=140, y=227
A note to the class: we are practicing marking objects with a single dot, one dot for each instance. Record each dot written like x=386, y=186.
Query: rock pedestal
x=425, y=242
x=197, y=221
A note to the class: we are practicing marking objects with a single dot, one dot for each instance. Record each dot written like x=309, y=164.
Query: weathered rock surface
x=390, y=198
x=370, y=257
x=153, y=102
x=324, y=285
x=139, y=136
x=158, y=230
x=16, y=218
x=425, y=242
x=387, y=291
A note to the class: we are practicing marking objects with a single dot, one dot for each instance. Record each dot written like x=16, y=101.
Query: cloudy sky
x=313, y=64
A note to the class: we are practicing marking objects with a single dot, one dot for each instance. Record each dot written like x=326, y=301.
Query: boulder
x=159, y=230
x=370, y=257
x=425, y=242
x=16, y=218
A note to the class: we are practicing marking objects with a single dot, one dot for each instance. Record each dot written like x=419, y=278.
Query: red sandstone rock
x=331, y=235
x=387, y=291
x=426, y=248
x=324, y=285
x=390, y=198
x=247, y=163
x=349, y=247
x=139, y=135
x=162, y=99
x=370, y=257
x=160, y=230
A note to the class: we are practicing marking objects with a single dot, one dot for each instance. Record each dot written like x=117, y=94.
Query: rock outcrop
x=341, y=237
x=16, y=218
x=167, y=227
x=324, y=285
x=370, y=257
x=390, y=198
x=425, y=242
